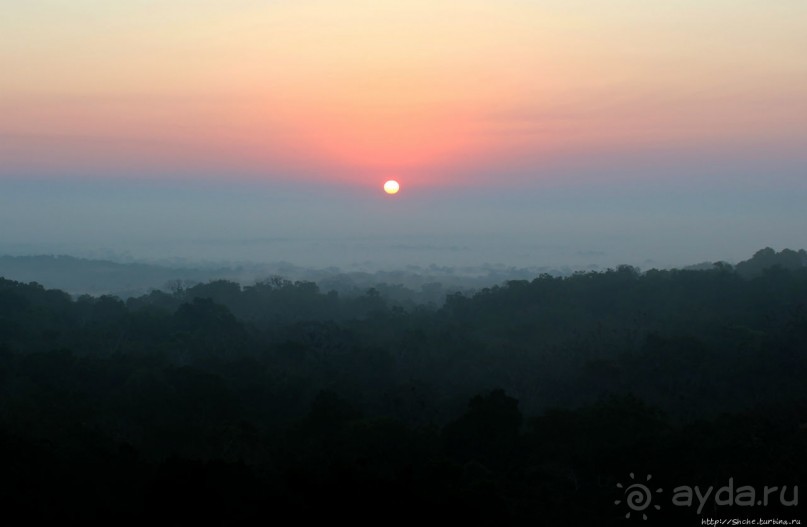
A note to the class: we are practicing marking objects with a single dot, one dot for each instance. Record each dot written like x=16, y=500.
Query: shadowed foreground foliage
x=523, y=404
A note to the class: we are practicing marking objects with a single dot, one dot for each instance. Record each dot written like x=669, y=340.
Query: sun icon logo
x=638, y=496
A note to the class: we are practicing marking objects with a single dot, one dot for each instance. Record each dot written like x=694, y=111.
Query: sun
x=391, y=187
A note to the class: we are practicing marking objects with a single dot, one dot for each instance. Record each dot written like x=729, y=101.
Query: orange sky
x=358, y=91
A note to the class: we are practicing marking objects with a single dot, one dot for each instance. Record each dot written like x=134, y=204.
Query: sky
x=522, y=132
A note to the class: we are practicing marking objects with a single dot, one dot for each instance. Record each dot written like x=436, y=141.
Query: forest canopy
x=511, y=405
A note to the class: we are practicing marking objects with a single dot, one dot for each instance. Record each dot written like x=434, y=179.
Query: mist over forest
x=418, y=283
x=98, y=277
x=547, y=228
x=516, y=403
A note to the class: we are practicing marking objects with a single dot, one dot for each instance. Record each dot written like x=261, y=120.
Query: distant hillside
x=419, y=284
x=763, y=259
x=79, y=276
x=767, y=258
